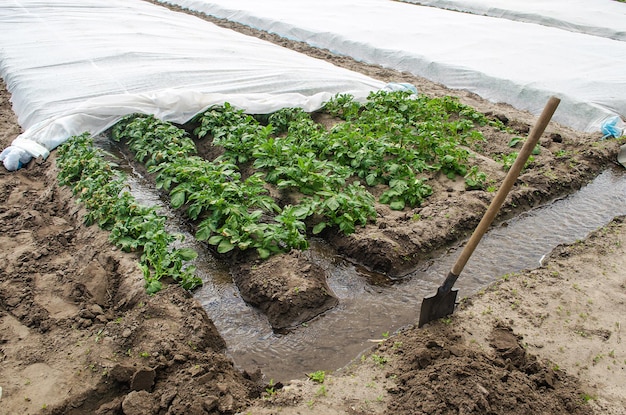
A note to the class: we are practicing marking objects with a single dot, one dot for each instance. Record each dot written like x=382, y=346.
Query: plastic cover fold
x=80, y=65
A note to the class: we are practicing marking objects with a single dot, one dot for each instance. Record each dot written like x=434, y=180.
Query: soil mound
x=441, y=373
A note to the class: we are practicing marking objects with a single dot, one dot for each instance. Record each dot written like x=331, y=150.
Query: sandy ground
x=79, y=335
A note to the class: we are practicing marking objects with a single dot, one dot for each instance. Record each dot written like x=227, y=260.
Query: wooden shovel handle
x=506, y=186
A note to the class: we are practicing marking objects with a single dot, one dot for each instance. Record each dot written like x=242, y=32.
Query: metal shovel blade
x=621, y=157
x=437, y=306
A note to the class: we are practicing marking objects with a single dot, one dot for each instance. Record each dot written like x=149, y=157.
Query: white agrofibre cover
x=80, y=65
x=604, y=18
x=500, y=59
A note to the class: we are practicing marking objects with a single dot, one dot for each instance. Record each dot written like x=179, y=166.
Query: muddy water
x=371, y=304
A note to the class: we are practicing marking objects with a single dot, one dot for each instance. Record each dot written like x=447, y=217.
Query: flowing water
x=370, y=304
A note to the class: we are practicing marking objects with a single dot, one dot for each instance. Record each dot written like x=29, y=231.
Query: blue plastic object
x=613, y=127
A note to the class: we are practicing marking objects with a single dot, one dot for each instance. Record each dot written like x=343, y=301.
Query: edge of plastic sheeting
x=174, y=105
x=601, y=21
x=32, y=147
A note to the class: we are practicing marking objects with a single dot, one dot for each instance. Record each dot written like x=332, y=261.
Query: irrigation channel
x=371, y=304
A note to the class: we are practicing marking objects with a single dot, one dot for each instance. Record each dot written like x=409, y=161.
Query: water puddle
x=371, y=305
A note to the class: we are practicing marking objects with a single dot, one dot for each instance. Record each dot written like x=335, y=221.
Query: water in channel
x=369, y=307
x=369, y=304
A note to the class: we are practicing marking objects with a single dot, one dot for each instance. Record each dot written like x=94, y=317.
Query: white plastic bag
x=14, y=158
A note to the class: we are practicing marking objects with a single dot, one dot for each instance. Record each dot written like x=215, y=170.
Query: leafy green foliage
x=133, y=227
x=291, y=163
x=393, y=141
x=318, y=376
x=390, y=140
x=145, y=137
x=232, y=213
x=507, y=160
x=343, y=106
x=395, y=137
x=475, y=179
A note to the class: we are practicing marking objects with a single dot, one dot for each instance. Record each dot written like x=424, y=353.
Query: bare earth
x=78, y=335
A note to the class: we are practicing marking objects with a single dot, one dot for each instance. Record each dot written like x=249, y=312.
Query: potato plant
x=289, y=162
x=132, y=227
x=232, y=213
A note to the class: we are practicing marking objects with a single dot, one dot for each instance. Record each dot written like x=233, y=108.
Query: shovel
x=442, y=303
x=621, y=157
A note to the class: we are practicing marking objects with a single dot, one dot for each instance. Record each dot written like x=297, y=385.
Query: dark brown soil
x=438, y=373
x=78, y=334
x=289, y=289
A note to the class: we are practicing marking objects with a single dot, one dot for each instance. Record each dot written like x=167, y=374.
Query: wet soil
x=474, y=381
x=79, y=335
x=289, y=288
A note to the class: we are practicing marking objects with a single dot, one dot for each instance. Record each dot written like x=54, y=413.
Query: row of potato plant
x=289, y=164
x=392, y=140
x=133, y=227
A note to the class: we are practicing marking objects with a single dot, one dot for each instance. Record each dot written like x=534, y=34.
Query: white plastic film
x=80, y=65
x=502, y=60
x=604, y=18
